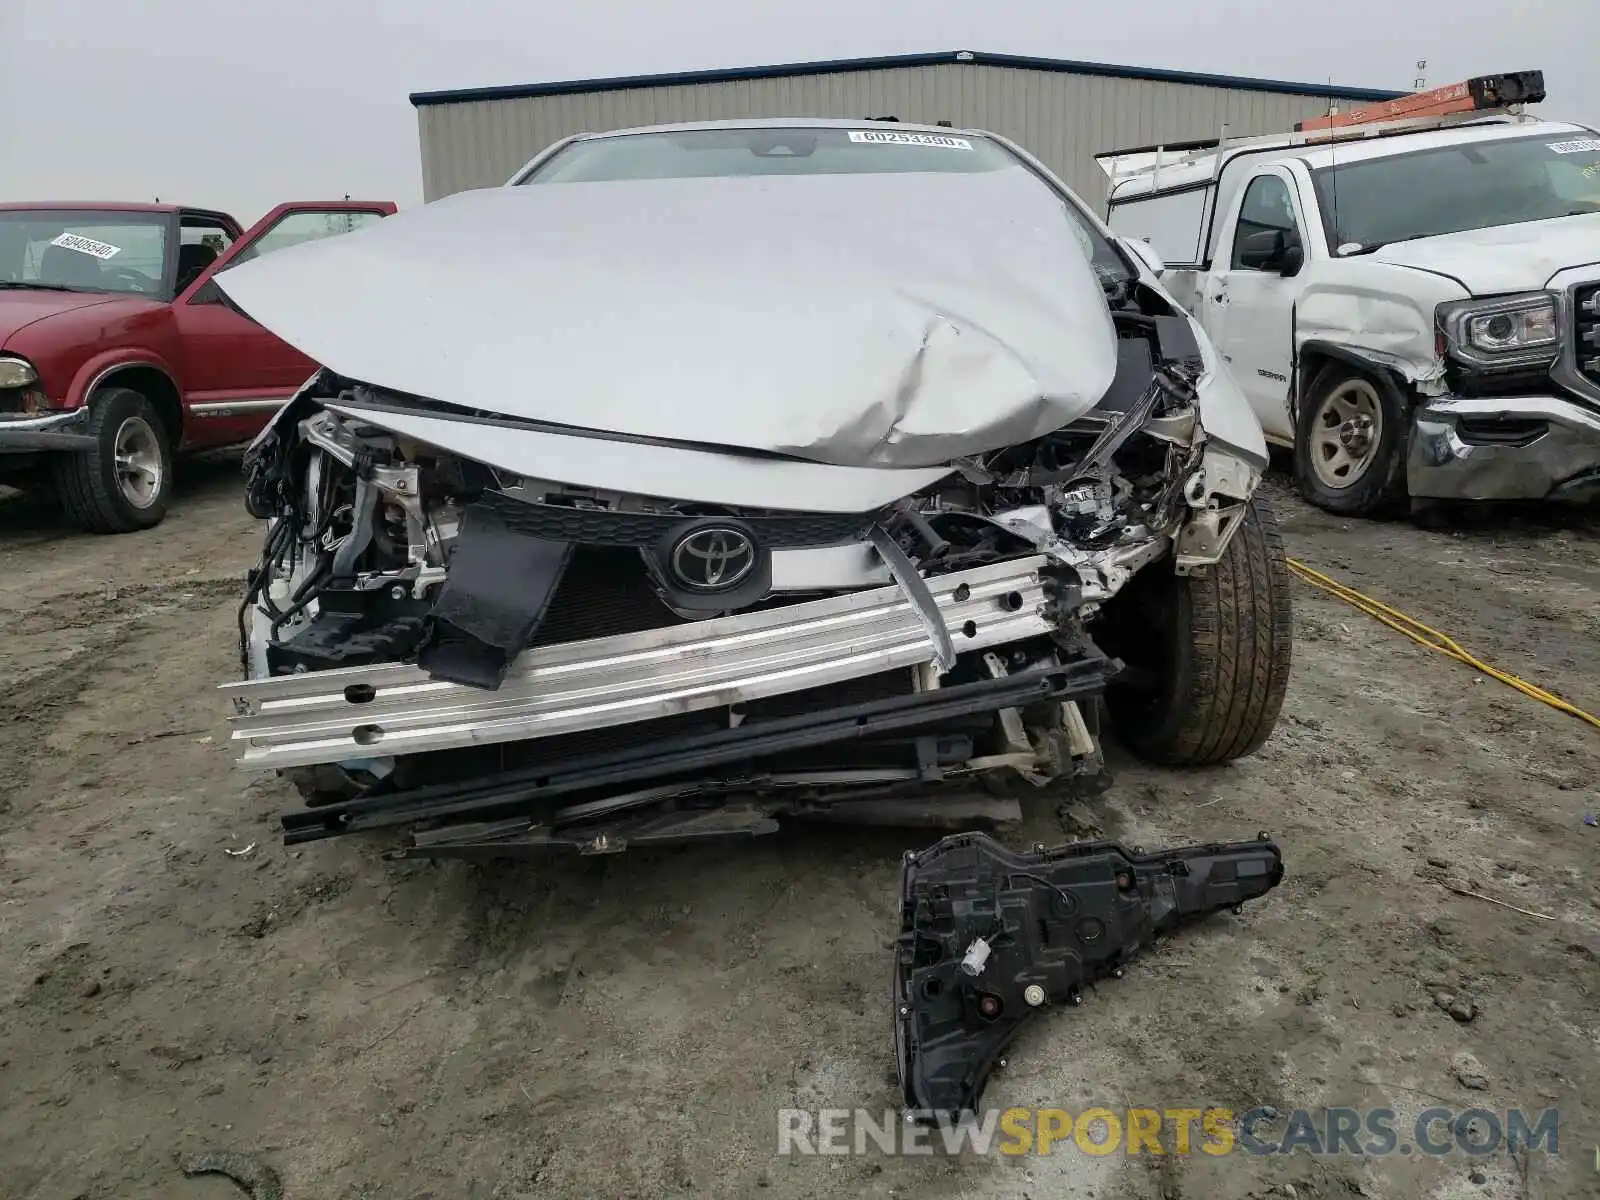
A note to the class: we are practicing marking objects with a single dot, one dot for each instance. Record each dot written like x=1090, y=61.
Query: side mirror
x=1145, y=253
x=1272, y=250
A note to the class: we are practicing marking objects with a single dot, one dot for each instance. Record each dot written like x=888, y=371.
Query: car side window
x=1266, y=209
x=201, y=240
x=296, y=227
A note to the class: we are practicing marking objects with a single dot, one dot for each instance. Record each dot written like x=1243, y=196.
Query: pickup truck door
x=1250, y=294
x=235, y=373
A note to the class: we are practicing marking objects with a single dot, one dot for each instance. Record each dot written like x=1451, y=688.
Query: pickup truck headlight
x=1511, y=331
x=16, y=373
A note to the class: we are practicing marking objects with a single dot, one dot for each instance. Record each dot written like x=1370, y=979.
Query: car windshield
x=716, y=153
x=765, y=151
x=1448, y=189
x=83, y=251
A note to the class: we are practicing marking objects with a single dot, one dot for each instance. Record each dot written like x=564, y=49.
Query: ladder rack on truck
x=1179, y=187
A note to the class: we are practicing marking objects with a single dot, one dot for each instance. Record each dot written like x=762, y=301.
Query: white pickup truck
x=1412, y=304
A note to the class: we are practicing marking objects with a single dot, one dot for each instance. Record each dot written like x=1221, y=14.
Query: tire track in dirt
x=33, y=702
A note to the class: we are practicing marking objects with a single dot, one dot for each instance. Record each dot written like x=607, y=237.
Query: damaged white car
x=705, y=475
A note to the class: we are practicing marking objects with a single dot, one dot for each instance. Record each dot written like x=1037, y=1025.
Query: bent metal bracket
x=990, y=936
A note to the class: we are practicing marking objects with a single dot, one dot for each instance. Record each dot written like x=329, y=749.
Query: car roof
x=787, y=123
x=1344, y=153
x=85, y=206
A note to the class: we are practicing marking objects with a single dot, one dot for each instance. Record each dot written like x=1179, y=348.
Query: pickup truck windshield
x=83, y=251
x=1476, y=185
x=722, y=153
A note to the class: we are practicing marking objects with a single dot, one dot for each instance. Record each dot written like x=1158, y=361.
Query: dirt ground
x=630, y=1025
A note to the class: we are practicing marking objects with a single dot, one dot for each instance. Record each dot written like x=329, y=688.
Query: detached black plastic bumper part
x=498, y=592
x=989, y=936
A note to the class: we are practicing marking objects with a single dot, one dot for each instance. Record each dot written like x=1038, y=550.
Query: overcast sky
x=235, y=106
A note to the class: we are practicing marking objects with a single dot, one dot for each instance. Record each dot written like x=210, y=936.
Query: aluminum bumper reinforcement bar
x=361, y=712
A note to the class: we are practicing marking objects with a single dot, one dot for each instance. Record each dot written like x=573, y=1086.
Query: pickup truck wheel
x=1350, y=444
x=1208, y=654
x=125, y=483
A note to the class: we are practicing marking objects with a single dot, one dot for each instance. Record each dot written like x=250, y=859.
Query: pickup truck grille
x=1586, y=330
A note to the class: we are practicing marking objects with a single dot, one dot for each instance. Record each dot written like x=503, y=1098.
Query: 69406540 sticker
x=83, y=245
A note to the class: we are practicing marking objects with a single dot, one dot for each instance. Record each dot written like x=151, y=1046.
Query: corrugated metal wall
x=1065, y=119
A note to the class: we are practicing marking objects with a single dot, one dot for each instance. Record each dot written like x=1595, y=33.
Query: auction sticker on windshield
x=890, y=137
x=1580, y=146
x=83, y=245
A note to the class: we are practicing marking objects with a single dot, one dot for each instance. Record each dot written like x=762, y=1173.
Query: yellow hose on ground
x=1423, y=635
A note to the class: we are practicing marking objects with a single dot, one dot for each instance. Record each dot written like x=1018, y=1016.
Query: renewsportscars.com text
x=1376, y=1132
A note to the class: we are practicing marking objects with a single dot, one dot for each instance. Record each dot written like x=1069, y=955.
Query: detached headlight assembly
x=16, y=373
x=1512, y=331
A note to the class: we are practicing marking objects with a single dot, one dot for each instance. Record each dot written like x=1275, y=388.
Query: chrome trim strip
x=295, y=720
x=105, y=372
x=233, y=408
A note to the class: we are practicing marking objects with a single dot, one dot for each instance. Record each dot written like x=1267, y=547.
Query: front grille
x=604, y=591
x=600, y=527
x=1586, y=330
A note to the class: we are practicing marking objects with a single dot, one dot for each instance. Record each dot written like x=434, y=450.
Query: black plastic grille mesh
x=605, y=591
x=592, y=527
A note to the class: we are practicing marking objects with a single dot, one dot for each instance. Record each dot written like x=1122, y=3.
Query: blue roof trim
x=893, y=61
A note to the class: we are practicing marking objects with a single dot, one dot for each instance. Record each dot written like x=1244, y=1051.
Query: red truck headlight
x=16, y=372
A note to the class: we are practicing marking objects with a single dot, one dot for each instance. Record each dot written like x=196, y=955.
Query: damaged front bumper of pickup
x=54, y=431
x=990, y=937
x=1537, y=447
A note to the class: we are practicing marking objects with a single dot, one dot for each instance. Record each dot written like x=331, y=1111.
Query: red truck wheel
x=125, y=483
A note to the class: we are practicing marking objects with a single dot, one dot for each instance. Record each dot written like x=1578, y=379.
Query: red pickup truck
x=117, y=351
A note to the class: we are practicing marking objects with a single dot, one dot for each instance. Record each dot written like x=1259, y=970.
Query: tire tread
x=1231, y=680
x=82, y=483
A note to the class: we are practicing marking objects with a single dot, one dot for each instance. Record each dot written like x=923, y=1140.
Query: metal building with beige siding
x=1064, y=112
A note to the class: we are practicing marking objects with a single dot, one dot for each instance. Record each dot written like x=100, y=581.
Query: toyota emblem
x=713, y=558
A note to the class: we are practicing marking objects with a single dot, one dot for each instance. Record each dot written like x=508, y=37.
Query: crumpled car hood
x=856, y=320
x=1505, y=258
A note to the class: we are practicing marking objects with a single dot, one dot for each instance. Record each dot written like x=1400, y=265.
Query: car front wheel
x=1350, y=443
x=1207, y=655
x=125, y=482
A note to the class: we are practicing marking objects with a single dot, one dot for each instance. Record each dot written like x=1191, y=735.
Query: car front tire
x=125, y=482
x=1209, y=654
x=1350, y=443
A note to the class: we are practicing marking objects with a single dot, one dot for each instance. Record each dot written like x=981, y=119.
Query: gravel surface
x=630, y=1025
